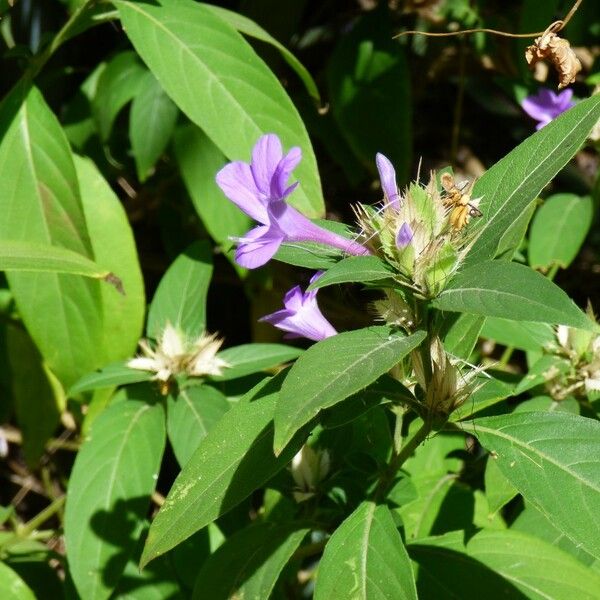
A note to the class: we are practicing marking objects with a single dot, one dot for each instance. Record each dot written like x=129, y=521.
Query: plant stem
x=506, y=355
x=50, y=510
x=400, y=458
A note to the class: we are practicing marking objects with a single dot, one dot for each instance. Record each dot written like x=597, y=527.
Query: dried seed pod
x=549, y=46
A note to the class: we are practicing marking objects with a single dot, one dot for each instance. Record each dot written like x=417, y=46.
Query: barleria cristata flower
x=309, y=467
x=419, y=232
x=175, y=354
x=579, y=371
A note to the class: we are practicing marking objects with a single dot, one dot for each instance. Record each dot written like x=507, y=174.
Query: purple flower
x=546, y=105
x=301, y=316
x=260, y=189
x=387, y=175
x=404, y=236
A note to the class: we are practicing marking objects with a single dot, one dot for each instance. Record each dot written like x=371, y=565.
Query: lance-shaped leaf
x=234, y=459
x=220, y=83
x=559, y=229
x=496, y=288
x=365, y=558
x=353, y=269
x=113, y=374
x=508, y=564
x=515, y=181
x=12, y=586
x=180, y=298
x=552, y=459
x=249, y=563
x=520, y=334
x=109, y=491
x=334, y=369
x=40, y=203
x=252, y=358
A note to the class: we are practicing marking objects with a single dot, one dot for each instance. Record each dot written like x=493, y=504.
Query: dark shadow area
x=446, y=574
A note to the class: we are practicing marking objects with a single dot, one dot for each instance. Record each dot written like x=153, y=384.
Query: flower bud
x=309, y=467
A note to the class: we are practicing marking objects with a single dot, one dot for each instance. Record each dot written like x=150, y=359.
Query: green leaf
x=559, y=229
x=12, y=587
x=248, y=564
x=461, y=334
x=250, y=28
x=114, y=374
x=114, y=247
x=118, y=84
x=523, y=335
x=488, y=391
x=234, y=459
x=353, y=269
x=151, y=122
x=365, y=558
x=44, y=258
x=220, y=83
x=252, y=358
x=42, y=205
x=38, y=397
x=199, y=160
x=368, y=75
x=507, y=564
x=190, y=416
x=109, y=492
x=499, y=491
x=309, y=255
x=551, y=458
x=537, y=374
x=180, y=298
x=515, y=181
x=334, y=369
x=502, y=289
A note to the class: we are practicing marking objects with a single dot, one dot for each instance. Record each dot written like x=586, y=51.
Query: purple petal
x=307, y=321
x=282, y=173
x=297, y=228
x=258, y=247
x=565, y=99
x=387, y=175
x=293, y=299
x=237, y=183
x=534, y=110
x=266, y=155
x=404, y=236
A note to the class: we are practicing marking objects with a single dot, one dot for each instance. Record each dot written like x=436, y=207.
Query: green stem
x=400, y=458
x=506, y=355
x=552, y=272
x=55, y=506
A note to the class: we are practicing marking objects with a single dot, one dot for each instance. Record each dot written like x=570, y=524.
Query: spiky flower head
x=421, y=233
x=175, y=354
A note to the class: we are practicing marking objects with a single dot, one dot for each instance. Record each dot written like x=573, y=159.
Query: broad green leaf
x=151, y=122
x=234, y=459
x=38, y=397
x=12, y=587
x=251, y=358
x=249, y=563
x=114, y=247
x=180, y=298
x=538, y=372
x=498, y=490
x=334, y=369
x=199, y=160
x=309, y=255
x=507, y=564
x=114, y=374
x=118, y=84
x=190, y=416
x=220, y=83
x=531, y=521
x=551, y=458
x=516, y=180
x=523, y=335
x=353, y=269
x=365, y=558
x=496, y=288
x=250, y=28
x=559, y=229
x=40, y=203
x=44, y=258
x=461, y=334
x=109, y=492
x=368, y=75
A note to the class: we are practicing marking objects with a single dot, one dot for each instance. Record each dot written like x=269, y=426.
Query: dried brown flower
x=549, y=46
